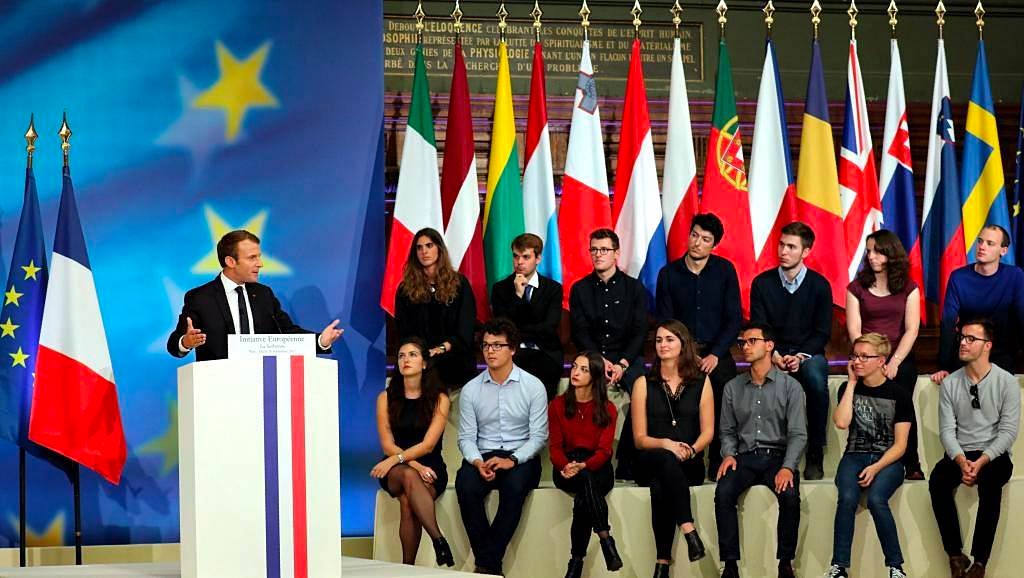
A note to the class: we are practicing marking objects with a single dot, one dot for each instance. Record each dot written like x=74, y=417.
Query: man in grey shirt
x=979, y=415
x=503, y=425
x=764, y=433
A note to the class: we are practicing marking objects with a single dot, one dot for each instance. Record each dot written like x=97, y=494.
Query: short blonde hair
x=880, y=342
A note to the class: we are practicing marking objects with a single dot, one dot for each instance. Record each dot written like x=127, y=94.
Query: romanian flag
x=982, y=181
x=817, y=185
x=725, y=179
x=503, y=209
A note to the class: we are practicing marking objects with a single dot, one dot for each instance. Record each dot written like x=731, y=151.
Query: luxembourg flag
x=636, y=210
x=858, y=178
x=679, y=187
x=74, y=406
x=538, y=177
x=897, y=173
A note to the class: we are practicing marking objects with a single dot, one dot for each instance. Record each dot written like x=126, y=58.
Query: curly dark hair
x=897, y=266
x=599, y=387
x=430, y=386
x=415, y=284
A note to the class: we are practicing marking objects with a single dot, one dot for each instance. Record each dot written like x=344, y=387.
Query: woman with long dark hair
x=411, y=415
x=884, y=299
x=435, y=303
x=581, y=428
x=673, y=411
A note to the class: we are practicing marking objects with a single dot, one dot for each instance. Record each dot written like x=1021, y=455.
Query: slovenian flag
x=74, y=407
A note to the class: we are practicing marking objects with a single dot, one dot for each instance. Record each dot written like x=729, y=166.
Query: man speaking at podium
x=235, y=303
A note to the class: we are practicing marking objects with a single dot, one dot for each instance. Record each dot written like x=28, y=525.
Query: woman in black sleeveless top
x=411, y=415
x=673, y=422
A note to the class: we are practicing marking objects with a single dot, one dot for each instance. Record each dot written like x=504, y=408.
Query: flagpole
x=585, y=20
x=816, y=17
x=721, y=10
x=76, y=473
x=893, y=11
x=636, y=12
x=979, y=13
x=940, y=17
x=30, y=137
x=853, y=12
x=769, y=17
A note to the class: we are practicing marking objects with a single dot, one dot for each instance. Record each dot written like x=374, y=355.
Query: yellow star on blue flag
x=239, y=88
x=219, y=227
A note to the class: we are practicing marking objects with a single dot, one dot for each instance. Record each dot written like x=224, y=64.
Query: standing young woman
x=411, y=414
x=878, y=414
x=673, y=412
x=436, y=304
x=883, y=299
x=581, y=428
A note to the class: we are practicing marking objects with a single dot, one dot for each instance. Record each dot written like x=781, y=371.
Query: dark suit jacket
x=207, y=306
x=538, y=320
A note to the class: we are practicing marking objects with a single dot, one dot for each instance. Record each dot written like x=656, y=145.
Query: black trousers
x=906, y=377
x=589, y=508
x=542, y=366
x=670, y=481
x=723, y=372
x=753, y=470
x=942, y=484
x=489, y=539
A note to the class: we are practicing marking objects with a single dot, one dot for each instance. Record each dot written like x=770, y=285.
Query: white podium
x=259, y=468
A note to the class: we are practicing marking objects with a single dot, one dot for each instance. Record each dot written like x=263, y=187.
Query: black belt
x=770, y=452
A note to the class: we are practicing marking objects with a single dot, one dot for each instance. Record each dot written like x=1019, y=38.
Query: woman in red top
x=581, y=426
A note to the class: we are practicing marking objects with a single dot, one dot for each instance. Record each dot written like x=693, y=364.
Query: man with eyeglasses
x=534, y=303
x=503, y=425
x=984, y=289
x=702, y=290
x=764, y=433
x=608, y=313
x=979, y=416
x=797, y=303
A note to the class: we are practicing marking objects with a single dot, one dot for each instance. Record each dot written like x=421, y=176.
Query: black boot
x=575, y=569
x=694, y=546
x=611, y=554
x=814, y=464
x=443, y=552
x=660, y=570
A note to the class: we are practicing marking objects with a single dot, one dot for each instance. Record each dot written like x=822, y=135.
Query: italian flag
x=418, y=199
x=503, y=209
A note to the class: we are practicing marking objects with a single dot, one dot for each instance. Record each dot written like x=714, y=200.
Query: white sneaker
x=836, y=571
x=896, y=573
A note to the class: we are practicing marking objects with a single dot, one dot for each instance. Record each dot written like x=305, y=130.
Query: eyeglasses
x=861, y=357
x=751, y=341
x=492, y=346
x=600, y=250
x=970, y=339
x=975, y=401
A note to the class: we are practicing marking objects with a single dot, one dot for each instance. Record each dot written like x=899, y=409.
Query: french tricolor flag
x=74, y=405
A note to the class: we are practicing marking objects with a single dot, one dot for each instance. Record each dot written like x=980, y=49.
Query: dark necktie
x=243, y=313
x=529, y=293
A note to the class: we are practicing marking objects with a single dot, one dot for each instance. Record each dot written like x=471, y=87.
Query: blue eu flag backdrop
x=192, y=118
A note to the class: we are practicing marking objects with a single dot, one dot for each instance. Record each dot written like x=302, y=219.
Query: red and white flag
x=679, y=201
x=585, y=204
x=74, y=406
x=858, y=178
x=460, y=193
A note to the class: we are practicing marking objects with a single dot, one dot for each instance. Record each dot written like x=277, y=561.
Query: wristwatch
x=514, y=459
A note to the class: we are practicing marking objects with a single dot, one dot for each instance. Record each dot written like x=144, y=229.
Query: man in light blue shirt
x=503, y=425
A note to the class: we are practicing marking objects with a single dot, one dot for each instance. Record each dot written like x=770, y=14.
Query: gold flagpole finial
x=769, y=15
x=893, y=11
x=816, y=16
x=677, y=16
x=30, y=137
x=940, y=16
x=979, y=13
x=536, y=13
x=585, y=22
x=636, y=12
x=420, y=15
x=721, y=10
x=502, y=14
x=65, y=138
x=852, y=11
x=457, y=17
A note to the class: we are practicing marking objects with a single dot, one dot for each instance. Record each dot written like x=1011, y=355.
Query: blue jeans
x=813, y=377
x=879, y=492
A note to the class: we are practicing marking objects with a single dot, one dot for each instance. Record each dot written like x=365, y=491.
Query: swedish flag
x=983, y=186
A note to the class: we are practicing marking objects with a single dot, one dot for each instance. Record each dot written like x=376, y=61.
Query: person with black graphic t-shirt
x=878, y=414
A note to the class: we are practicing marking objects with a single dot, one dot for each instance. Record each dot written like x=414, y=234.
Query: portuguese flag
x=725, y=180
x=503, y=209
